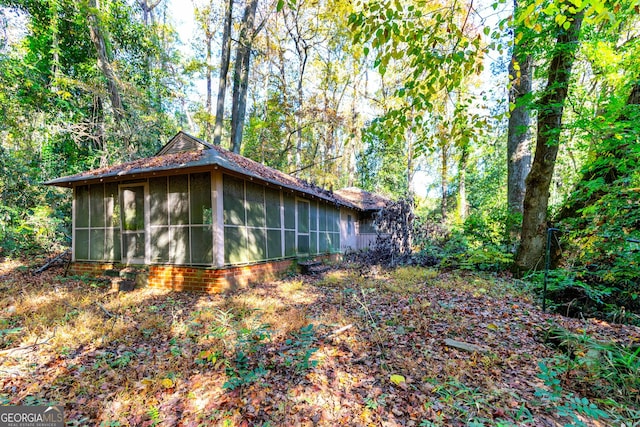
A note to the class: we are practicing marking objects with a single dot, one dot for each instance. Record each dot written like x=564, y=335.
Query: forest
x=509, y=129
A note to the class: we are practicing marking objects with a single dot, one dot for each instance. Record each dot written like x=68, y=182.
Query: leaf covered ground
x=355, y=346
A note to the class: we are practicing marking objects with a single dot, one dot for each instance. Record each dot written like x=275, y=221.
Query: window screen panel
x=233, y=201
x=289, y=243
x=112, y=205
x=367, y=226
x=303, y=217
x=272, y=205
x=134, y=244
x=255, y=205
x=313, y=242
x=274, y=244
x=323, y=243
x=303, y=244
x=334, y=242
x=178, y=200
x=96, y=205
x=133, y=208
x=202, y=245
x=180, y=245
x=96, y=251
x=313, y=215
x=201, y=198
x=256, y=244
x=112, y=244
x=322, y=217
x=82, y=206
x=235, y=245
x=335, y=220
x=158, y=201
x=81, y=244
x=160, y=240
x=289, y=212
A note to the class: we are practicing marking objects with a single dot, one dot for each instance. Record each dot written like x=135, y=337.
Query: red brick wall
x=180, y=278
x=183, y=278
x=92, y=268
x=200, y=279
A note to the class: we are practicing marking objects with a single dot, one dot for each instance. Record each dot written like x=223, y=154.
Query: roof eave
x=68, y=182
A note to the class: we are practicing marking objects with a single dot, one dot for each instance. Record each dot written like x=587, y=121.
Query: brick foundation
x=199, y=279
x=81, y=268
x=180, y=278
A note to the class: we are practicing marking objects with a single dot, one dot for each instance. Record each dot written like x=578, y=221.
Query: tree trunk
x=241, y=75
x=410, y=164
x=147, y=9
x=536, y=200
x=224, y=70
x=444, y=177
x=209, y=104
x=519, y=135
x=463, y=206
x=98, y=39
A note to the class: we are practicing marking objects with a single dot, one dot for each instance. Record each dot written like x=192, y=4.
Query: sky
x=181, y=12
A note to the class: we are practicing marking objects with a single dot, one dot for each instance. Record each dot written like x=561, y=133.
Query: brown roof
x=362, y=199
x=214, y=155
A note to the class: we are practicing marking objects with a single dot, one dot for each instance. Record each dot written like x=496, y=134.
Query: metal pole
x=547, y=264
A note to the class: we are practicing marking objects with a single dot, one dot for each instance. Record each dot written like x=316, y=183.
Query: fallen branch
x=53, y=261
x=107, y=312
x=29, y=347
x=464, y=346
x=340, y=330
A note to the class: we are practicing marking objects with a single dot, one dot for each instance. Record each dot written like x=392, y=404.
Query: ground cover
x=355, y=346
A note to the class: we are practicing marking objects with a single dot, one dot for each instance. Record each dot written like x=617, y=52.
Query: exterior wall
x=348, y=230
x=179, y=224
x=180, y=278
x=92, y=268
x=240, y=222
x=210, y=280
x=366, y=240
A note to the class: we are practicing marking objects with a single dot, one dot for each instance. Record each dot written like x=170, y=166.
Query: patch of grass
x=341, y=278
x=413, y=275
x=290, y=286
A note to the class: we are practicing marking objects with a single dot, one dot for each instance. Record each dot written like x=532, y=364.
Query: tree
x=550, y=108
x=241, y=74
x=433, y=50
x=519, y=136
x=77, y=90
x=205, y=17
x=225, y=58
x=104, y=62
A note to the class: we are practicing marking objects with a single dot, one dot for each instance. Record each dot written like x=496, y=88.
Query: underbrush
x=605, y=373
x=575, y=294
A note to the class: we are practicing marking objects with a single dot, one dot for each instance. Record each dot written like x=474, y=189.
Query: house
x=204, y=218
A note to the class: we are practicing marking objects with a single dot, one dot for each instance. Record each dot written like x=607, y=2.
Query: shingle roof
x=364, y=200
x=214, y=155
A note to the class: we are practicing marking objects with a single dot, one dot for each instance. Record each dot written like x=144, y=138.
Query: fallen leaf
x=397, y=379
